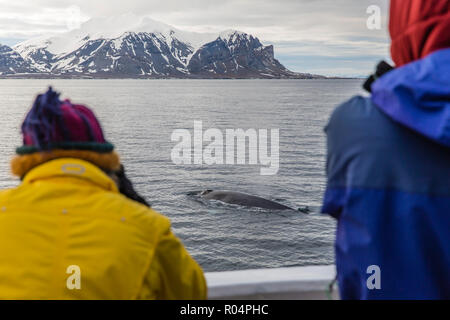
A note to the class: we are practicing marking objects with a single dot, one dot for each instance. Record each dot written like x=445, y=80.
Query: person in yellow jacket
x=67, y=232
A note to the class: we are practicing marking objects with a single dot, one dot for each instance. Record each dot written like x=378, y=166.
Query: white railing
x=303, y=283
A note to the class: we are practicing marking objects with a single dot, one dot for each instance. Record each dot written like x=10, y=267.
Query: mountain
x=133, y=47
x=238, y=55
x=12, y=63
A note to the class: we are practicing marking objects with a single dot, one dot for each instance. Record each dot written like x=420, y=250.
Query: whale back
x=243, y=199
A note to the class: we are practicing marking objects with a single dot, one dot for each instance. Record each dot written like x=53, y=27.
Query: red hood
x=418, y=28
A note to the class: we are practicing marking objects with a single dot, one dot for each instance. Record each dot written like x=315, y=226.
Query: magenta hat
x=55, y=124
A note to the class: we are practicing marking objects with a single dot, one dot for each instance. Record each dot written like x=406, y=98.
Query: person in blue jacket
x=388, y=167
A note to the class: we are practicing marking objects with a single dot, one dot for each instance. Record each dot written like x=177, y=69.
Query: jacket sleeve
x=345, y=135
x=173, y=273
x=335, y=166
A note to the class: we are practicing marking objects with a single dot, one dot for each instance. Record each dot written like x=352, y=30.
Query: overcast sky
x=327, y=37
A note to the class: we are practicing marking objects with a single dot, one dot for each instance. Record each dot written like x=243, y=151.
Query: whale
x=243, y=199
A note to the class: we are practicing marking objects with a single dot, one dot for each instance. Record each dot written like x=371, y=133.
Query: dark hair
x=126, y=187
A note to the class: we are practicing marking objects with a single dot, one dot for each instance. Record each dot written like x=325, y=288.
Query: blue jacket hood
x=417, y=96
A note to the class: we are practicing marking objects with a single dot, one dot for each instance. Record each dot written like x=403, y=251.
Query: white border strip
x=310, y=282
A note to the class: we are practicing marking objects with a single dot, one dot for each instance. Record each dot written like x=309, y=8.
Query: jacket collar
x=71, y=168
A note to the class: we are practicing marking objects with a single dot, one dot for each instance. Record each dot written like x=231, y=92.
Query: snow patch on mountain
x=12, y=63
x=111, y=28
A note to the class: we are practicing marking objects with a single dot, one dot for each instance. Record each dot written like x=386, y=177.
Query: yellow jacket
x=67, y=233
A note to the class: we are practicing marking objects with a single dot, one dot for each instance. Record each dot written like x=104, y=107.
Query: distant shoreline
x=51, y=77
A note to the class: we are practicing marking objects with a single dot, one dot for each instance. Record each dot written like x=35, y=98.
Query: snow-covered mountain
x=133, y=47
x=237, y=54
x=12, y=63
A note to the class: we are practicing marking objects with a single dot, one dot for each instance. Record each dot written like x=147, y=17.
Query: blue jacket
x=388, y=170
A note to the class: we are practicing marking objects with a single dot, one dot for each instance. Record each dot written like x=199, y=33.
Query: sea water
x=139, y=116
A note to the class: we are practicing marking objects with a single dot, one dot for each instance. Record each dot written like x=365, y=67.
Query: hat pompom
x=39, y=125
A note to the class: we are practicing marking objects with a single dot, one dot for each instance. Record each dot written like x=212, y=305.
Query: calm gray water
x=139, y=116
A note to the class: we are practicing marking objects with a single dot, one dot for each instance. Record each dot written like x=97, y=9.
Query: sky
x=328, y=37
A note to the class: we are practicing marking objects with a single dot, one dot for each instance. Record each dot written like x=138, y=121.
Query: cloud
x=334, y=30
